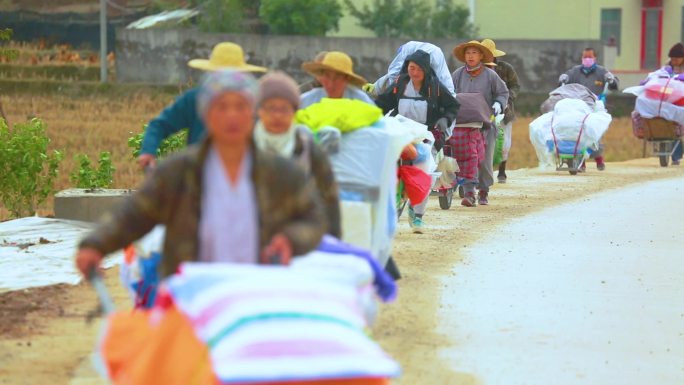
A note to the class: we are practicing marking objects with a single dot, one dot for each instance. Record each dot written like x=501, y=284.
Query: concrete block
x=87, y=205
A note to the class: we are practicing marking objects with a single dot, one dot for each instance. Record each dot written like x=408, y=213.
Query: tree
x=414, y=19
x=226, y=16
x=301, y=17
x=450, y=20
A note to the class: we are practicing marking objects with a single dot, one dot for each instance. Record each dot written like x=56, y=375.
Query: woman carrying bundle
x=418, y=95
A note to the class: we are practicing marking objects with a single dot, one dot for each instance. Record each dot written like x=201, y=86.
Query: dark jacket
x=287, y=203
x=180, y=115
x=320, y=170
x=507, y=73
x=440, y=102
x=593, y=79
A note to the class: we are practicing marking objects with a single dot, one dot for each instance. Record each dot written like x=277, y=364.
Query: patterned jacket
x=287, y=203
x=507, y=73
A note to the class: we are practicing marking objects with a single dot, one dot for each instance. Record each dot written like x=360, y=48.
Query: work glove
x=368, y=88
x=609, y=78
x=563, y=79
x=496, y=107
x=680, y=77
x=439, y=131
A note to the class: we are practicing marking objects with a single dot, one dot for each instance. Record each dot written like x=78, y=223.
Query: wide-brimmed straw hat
x=225, y=56
x=489, y=43
x=459, y=51
x=338, y=62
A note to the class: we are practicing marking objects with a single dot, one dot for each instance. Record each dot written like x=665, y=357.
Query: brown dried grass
x=91, y=125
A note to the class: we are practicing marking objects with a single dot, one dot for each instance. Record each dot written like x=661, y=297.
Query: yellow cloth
x=344, y=114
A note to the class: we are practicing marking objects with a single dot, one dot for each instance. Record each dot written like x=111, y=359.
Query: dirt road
x=44, y=337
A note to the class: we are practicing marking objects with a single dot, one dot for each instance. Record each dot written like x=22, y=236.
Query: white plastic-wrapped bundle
x=569, y=116
x=540, y=137
x=572, y=116
x=659, y=98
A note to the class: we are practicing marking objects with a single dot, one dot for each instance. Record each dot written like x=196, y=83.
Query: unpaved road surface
x=44, y=337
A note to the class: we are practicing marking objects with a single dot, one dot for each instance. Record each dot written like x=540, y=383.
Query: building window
x=611, y=23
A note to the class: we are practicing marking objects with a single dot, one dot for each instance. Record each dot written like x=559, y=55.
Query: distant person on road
x=221, y=200
x=594, y=77
x=475, y=77
x=336, y=74
x=275, y=132
x=507, y=73
x=182, y=113
x=673, y=69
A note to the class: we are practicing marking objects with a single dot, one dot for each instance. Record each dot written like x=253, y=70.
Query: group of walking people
x=254, y=185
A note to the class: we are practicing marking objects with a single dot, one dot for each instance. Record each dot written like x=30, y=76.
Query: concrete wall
x=160, y=56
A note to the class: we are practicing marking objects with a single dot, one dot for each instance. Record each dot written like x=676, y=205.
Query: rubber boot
x=502, y=172
x=600, y=165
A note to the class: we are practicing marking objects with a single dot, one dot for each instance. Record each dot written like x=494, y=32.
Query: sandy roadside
x=44, y=337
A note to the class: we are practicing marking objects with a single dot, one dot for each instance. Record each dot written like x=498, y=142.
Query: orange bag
x=409, y=153
x=153, y=347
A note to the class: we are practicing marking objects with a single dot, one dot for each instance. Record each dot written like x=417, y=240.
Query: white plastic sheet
x=437, y=62
x=25, y=262
x=567, y=118
x=368, y=158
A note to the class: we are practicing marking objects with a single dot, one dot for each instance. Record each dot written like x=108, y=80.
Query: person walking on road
x=419, y=95
x=336, y=74
x=182, y=114
x=475, y=77
x=275, y=132
x=507, y=73
x=221, y=200
x=595, y=78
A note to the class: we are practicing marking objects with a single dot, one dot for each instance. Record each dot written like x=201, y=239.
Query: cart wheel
x=664, y=160
x=445, y=199
x=461, y=192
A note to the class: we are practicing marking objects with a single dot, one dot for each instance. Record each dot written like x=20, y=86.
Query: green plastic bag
x=498, y=148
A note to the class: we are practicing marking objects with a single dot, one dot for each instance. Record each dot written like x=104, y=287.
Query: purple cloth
x=385, y=286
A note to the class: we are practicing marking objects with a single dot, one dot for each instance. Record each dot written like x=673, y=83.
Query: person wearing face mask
x=336, y=74
x=594, y=77
x=475, y=77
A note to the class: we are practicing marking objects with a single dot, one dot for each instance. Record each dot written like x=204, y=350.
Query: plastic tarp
x=437, y=62
x=569, y=91
x=38, y=252
x=659, y=98
x=568, y=118
x=368, y=159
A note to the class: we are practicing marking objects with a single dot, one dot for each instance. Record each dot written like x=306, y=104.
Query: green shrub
x=173, y=143
x=90, y=178
x=27, y=169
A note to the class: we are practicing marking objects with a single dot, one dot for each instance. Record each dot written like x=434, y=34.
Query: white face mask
x=281, y=144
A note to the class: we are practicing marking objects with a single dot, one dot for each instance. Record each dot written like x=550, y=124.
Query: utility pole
x=471, y=6
x=103, y=41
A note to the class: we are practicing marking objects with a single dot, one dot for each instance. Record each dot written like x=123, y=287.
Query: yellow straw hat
x=489, y=43
x=459, y=51
x=335, y=61
x=225, y=56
